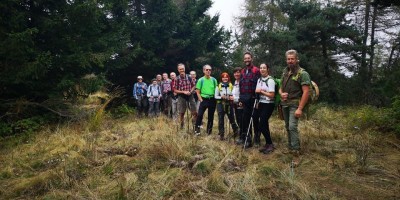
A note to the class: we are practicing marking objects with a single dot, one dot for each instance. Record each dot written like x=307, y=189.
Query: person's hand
x=223, y=97
x=298, y=113
x=200, y=99
x=284, y=96
x=258, y=90
x=231, y=98
x=240, y=104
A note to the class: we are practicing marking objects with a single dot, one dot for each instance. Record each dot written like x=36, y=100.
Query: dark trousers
x=141, y=103
x=247, y=115
x=265, y=111
x=209, y=104
x=225, y=109
x=239, y=116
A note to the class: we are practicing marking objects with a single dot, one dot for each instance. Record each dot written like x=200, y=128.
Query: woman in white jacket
x=225, y=106
x=266, y=90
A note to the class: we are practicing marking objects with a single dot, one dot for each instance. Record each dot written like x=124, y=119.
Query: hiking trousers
x=265, y=111
x=226, y=109
x=291, y=125
x=209, y=104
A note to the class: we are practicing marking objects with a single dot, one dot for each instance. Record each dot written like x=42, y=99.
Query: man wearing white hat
x=139, y=93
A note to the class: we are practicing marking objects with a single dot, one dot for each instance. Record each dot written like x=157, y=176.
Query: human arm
x=303, y=100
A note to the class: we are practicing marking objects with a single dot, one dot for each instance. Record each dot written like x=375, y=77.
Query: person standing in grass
x=166, y=93
x=224, y=97
x=266, y=90
x=184, y=86
x=196, y=99
x=205, y=89
x=139, y=93
x=247, y=85
x=236, y=94
x=154, y=95
x=294, y=93
x=174, y=98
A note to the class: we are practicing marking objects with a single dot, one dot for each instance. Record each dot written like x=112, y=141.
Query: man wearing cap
x=205, y=89
x=139, y=93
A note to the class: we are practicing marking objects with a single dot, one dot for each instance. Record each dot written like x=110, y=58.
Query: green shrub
x=28, y=125
x=122, y=110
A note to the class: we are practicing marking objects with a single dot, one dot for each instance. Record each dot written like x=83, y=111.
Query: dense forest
x=55, y=53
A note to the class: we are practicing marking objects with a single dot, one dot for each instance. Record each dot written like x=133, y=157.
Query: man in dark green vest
x=294, y=96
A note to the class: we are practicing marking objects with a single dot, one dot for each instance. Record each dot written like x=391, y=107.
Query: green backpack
x=277, y=98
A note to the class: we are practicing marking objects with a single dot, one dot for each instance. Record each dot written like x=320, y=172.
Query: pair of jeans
x=265, y=111
x=225, y=109
x=291, y=125
x=209, y=104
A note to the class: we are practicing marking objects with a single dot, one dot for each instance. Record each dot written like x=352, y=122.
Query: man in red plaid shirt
x=184, y=86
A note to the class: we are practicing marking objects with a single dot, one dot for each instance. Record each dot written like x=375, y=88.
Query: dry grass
x=132, y=158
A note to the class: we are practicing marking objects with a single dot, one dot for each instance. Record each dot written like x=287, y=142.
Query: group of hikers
x=247, y=102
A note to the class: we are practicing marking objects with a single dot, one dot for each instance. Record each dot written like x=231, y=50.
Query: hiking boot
x=240, y=141
x=221, y=137
x=268, y=149
x=197, y=131
x=248, y=145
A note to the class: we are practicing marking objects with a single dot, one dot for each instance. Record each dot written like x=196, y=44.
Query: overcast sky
x=227, y=9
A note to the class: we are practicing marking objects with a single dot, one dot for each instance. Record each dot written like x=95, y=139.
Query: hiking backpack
x=277, y=97
x=202, y=81
x=314, y=90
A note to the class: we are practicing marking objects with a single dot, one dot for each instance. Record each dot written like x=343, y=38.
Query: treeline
x=351, y=48
x=54, y=53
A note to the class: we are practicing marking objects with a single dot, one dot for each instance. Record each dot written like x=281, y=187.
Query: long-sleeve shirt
x=266, y=84
x=223, y=89
x=248, y=82
x=236, y=92
x=154, y=92
x=139, y=89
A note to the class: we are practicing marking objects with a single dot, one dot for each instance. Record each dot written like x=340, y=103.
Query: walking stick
x=251, y=121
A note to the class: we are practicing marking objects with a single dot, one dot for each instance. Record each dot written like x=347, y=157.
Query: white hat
x=139, y=77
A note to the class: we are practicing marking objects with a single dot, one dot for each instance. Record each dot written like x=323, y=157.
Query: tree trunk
x=363, y=72
x=372, y=53
x=271, y=17
x=138, y=8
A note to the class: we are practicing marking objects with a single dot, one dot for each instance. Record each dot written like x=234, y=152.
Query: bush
x=122, y=110
x=28, y=125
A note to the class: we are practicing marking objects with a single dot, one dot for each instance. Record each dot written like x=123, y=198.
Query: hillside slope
x=131, y=158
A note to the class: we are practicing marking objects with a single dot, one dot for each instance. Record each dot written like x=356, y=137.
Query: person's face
x=264, y=70
x=158, y=77
x=181, y=70
x=291, y=59
x=154, y=82
x=193, y=75
x=225, y=79
x=140, y=80
x=247, y=59
x=165, y=76
x=172, y=75
x=237, y=75
x=207, y=71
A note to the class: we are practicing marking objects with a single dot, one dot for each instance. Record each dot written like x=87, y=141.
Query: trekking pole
x=251, y=122
x=187, y=116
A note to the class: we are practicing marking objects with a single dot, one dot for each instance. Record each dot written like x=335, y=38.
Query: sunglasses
x=208, y=70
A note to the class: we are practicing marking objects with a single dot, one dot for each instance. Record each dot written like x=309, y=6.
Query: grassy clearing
x=130, y=158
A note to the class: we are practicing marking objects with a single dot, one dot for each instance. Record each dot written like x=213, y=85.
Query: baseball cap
x=139, y=77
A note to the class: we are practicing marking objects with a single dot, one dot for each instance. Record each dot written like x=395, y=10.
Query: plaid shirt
x=182, y=83
x=248, y=81
x=166, y=86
